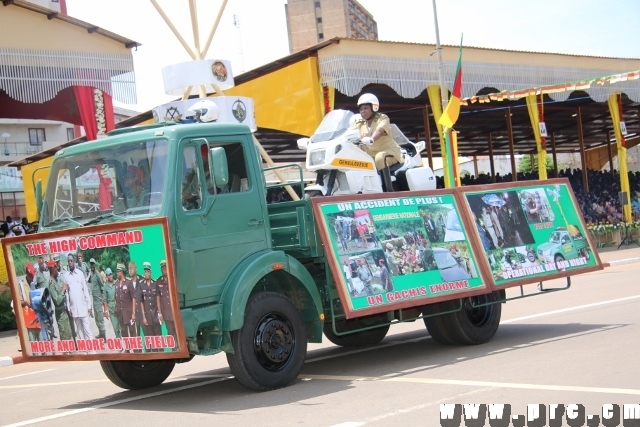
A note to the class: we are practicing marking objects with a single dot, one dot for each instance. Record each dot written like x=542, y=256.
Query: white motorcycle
x=343, y=168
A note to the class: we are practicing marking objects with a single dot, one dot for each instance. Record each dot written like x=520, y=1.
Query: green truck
x=253, y=279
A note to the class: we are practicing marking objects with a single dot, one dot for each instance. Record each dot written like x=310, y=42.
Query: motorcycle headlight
x=316, y=157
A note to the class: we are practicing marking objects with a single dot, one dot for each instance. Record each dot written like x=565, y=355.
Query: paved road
x=578, y=346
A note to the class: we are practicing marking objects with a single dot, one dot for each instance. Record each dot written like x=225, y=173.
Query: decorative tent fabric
x=409, y=77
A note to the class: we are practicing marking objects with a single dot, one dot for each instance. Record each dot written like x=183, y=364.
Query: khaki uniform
x=110, y=299
x=95, y=285
x=385, y=145
x=60, y=305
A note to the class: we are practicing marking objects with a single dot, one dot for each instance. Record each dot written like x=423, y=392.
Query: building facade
x=310, y=22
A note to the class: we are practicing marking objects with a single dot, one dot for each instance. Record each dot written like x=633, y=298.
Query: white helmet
x=369, y=98
x=204, y=111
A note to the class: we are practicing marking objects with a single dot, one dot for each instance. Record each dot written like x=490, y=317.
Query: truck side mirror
x=218, y=166
x=38, y=191
x=303, y=143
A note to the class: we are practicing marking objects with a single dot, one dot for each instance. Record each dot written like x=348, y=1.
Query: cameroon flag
x=452, y=110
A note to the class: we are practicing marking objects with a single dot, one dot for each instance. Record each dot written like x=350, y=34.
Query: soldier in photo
x=82, y=266
x=148, y=302
x=165, y=314
x=110, y=300
x=94, y=281
x=125, y=303
x=58, y=291
x=135, y=280
x=42, y=281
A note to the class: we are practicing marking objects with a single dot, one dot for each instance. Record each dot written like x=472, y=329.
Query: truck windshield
x=555, y=237
x=122, y=181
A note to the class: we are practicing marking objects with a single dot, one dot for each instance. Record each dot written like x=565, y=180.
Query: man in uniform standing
x=94, y=280
x=82, y=266
x=165, y=314
x=149, y=302
x=41, y=280
x=78, y=299
x=135, y=280
x=110, y=300
x=28, y=313
x=125, y=303
x=58, y=291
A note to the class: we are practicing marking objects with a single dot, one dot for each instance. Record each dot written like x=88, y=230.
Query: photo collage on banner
x=96, y=293
x=530, y=231
x=395, y=250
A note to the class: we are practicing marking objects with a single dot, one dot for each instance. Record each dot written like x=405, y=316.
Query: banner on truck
x=390, y=253
x=101, y=292
x=530, y=232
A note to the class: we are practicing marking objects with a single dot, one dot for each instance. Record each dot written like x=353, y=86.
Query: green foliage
x=108, y=257
x=524, y=164
x=7, y=318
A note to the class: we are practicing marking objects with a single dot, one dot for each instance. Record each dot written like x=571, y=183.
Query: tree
x=524, y=164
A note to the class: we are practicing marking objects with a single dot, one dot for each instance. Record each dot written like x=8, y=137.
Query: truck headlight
x=316, y=157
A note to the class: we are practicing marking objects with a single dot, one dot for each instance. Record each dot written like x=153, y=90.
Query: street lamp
x=5, y=136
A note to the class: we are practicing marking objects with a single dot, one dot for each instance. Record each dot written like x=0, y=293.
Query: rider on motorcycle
x=375, y=132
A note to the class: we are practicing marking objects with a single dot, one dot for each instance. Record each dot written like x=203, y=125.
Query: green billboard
x=392, y=252
x=531, y=232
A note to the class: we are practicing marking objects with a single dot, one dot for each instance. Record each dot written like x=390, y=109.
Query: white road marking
x=5, y=387
x=628, y=391
x=388, y=344
x=564, y=310
x=116, y=402
x=22, y=375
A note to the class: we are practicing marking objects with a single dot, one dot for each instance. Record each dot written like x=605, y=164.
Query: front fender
x=248, y=274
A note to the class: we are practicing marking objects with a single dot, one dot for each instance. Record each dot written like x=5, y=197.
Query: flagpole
x=449, y=180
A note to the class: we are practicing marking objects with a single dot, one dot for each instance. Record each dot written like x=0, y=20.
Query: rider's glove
x=367, y=140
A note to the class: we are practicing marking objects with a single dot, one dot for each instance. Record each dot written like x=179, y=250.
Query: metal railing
x=20, y=149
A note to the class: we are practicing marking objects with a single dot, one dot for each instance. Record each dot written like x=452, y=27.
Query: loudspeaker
x=623, y=197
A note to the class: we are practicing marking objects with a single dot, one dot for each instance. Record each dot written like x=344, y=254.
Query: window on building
x=70, y=134
x=36, y=136
x=317, y=4
x=320, y=37
x=319, y=20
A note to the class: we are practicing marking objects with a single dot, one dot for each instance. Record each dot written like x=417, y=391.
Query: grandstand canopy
x=290, y=100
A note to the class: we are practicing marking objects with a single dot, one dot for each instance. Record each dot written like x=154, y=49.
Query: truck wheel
x=439, y=330
x=438, y=326
x=475, y=325
x=557, y=259
x=134, y=375
x=270, y=347
x=368, y=337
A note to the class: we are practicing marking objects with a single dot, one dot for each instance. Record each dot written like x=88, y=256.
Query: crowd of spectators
x=600, y=204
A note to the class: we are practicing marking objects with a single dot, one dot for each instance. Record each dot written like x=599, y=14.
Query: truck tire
x=474, y=325
x=557, y=258
x=134, y=374
x=362, y=338
x=270, y=348
x=438, y=328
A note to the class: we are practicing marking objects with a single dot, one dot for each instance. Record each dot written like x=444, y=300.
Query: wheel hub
x=274, y=341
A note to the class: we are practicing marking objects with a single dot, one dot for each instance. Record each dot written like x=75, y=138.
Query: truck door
x=217, y=226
